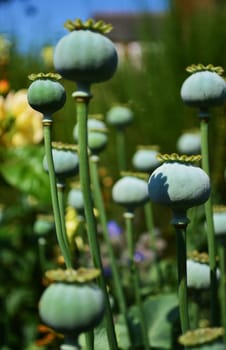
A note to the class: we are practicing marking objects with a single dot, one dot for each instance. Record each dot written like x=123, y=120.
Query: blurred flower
x=4, y=86
x=47, y=56
x=48, y=335
x=19, y=124
x=115, y=234
x=114, y=229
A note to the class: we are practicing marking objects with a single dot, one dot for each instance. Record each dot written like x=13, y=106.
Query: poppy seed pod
x=198, y=275
x=219, y=219
x=97, y=135
x=119, y=116
x=130, y=192
x=65, y=159
x=76, y=200
x=189, y=143
x=145, y=159
x=72, y=306
x=179, y=184
x=205, y=87
x=46, y=94
x=85, y=55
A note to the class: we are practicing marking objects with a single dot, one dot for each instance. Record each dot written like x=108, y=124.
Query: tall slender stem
x=89, y=337
x=47, y=122
x=60, y=194
x=129, y=217
x=209, y=219
x=148, y=212
x=221, y=252
x=182, y=275
x=82, y=101
x=121, y=148
x=103, y=219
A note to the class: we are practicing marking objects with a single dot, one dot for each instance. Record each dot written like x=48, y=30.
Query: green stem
x=210, y=224
x=129, y=218
x=182, y=275
x=121, y=148
x=221, y=252
x=89, y=336
x=148, y=212
x=47, y=122
x=82, y=100
x=70, y=343
x=60, y=195
x=103, y=219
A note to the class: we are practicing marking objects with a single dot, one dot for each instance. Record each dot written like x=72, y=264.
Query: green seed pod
x=85, y=55
x=145, y=159
x=205, y=88
x=97, y=135
x=119, y=116
x=130, y=192
x=189, y=143
x=179, y=184
x=76, y=200
x=70, y=306
x=65, y=159
x=43, y=225
x=219, y=219
x=46, y=94
x=198, y=275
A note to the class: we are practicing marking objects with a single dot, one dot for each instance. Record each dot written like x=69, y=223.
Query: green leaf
x=22, y=168
x=160, y=312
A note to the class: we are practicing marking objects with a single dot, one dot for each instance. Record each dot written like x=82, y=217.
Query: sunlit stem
x=129, y=222
x=82, y=99
x=94, y=159
x=47, y=123
x=204, y=123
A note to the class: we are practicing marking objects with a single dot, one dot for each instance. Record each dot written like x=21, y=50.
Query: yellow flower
x=47, y=55
x=20, y=125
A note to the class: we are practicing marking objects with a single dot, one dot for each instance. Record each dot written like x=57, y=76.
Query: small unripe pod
x=46, y=94
x=130, y=192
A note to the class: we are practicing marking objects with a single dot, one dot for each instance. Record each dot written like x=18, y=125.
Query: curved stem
x=210, y=224
x=82, y=100
x=182, y=275
x=103, y=219
x=53, y=188
x=129, y=217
